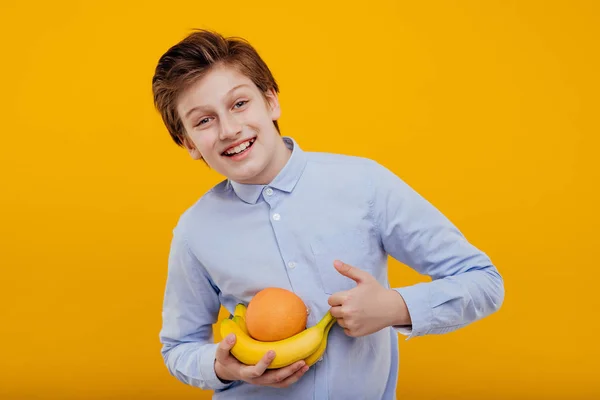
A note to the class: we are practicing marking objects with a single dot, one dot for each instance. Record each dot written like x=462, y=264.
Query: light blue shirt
x=238, y=239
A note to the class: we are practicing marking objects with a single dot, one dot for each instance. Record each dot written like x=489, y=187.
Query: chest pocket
x=349, y=247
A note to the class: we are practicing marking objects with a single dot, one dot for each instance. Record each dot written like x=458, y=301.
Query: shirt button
x=292, y=264
x=320, y=359
x=268, y=191
x=307, y=310
x=276, y=217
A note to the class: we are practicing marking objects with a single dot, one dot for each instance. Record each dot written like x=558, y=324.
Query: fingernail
x=305, y=369
x=337, y=263
x=270, y=354
x=230, y=338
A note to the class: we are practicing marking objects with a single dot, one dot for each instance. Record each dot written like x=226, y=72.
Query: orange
x=275, y=314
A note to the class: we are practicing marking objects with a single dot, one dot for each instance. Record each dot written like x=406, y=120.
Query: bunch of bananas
x=308, y=345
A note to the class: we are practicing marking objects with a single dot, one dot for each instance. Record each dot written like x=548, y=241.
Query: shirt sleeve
x=465, y=286
x=190, y=308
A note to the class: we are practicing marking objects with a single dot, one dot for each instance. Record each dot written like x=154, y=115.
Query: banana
x=241, y=323
x=314, y=357
x=240, y=310
x=287, y=351
x=239, y=315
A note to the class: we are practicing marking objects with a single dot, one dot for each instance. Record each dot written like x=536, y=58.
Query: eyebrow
x=187, y=114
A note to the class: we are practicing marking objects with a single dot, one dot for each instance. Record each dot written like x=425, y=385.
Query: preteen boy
x=319, y=224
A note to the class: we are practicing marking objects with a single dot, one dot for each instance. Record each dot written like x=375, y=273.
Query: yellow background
x=488, y=108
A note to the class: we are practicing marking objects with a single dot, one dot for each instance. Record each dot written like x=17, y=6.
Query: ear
x=191, y=148
x=273, y=103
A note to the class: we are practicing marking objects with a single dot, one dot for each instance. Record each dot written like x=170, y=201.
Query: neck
x=282, y=155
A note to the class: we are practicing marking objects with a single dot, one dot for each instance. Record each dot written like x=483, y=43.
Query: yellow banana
x=239, y=318
x=239, y=315
x=240, y=310
x=314, y=357
x=241, y=323
x=287, y=351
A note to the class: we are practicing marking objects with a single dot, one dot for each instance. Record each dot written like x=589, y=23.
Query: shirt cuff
x=416, y=298
x=207, y=368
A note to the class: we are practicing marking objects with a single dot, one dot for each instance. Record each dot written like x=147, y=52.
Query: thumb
x=224, y=347
x=351, y=272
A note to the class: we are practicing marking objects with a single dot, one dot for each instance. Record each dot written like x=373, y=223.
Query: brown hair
x=191, y=59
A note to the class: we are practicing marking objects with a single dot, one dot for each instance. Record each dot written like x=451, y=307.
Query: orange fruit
x=275, y=314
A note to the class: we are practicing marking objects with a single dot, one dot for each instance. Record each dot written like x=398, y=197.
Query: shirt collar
x=285, y=181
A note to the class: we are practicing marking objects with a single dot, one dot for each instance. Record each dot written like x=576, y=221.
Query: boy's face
x=229, y=124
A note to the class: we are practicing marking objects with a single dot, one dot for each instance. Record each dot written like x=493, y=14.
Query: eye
x=240, y=103
x=203, y=121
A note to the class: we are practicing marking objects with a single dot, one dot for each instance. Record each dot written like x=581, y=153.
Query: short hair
x=194, y=56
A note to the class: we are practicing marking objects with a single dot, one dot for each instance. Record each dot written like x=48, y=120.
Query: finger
x=224, y=347
x=256, y=371
x=295, y=377
x=348, y=332
x=356, y=274
x=342, y=323
x=274, y=377
x=337, y=299
x=337, y=312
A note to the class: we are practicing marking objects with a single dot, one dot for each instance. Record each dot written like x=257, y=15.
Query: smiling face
x=229, y=123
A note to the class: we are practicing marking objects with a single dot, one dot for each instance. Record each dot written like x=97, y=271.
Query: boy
x=318, y=224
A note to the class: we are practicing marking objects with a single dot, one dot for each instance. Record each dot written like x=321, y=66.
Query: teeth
x=240, y=148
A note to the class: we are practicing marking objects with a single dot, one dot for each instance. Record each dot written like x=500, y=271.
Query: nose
x=230, y=127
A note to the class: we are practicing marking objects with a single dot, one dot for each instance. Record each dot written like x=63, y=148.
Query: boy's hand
x=368, y=307
x=228, y=368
